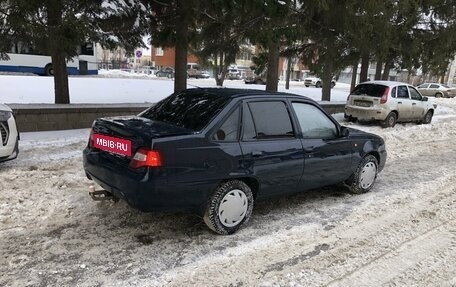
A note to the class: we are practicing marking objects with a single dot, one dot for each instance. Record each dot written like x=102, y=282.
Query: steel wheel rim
x=368, y=174
x=428, y=117
x=391, y=121
x=233, y=208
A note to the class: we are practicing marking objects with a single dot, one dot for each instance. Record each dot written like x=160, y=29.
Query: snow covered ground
x=403, y=233
x=123, y=87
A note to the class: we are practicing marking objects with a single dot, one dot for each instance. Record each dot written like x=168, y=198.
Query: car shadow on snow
x=322, y=206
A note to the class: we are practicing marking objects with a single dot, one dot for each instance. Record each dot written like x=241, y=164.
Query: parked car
x=436, y=90
x=9, y=136
x=148, y=70
x=234, y=74
x=316, y=82
x=217, y=151
x=167, y=72
x=258, y=80
x=388, y=102
x=205, y=74
x=194, y=71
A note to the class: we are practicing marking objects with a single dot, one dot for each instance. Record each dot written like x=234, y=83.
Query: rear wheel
x=438, y=95
x=390, y=120
x=364, y=177
x=48, y=70
x=428, y=117
x=307, y=86
x=229, y=207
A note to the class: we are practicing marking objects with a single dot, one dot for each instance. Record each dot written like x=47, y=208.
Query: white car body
x=316, y=82
x=379, y=100
x=9, y=136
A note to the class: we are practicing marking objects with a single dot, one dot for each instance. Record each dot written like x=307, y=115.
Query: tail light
x=90, y=143
x=384, y=98
x=146, y=158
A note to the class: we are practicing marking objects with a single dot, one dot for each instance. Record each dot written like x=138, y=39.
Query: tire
x=48, y=70
x=428, y=117
x=229, y=207
x=318, y=85
x=258, y=82
x=332, y=85
x=363, y=178
x=390, y=120
x=439, y=95
x=307, y=86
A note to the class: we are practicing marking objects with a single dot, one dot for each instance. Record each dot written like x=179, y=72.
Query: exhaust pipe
x=101, y=195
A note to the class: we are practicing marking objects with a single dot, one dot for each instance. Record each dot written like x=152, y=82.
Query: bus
x=24, y=59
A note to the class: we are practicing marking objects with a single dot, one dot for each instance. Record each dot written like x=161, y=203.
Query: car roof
x=385, y=83
x=234, y=93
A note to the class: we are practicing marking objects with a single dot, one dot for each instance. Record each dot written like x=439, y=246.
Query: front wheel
x=229, y=207
x=428, y=117
x=48, y=70
x=364, y=177
x=318, y=85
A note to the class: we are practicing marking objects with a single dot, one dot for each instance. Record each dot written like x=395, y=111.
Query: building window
x=158, y=51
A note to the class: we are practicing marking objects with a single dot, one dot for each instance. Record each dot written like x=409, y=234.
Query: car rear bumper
x=366, y=113
x=147, y=191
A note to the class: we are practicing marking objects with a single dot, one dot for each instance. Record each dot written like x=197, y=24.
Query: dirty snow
x=402, y=233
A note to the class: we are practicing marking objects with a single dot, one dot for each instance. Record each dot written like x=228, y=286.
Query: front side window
x=189, y=110
x=433, y=86
x=229, y=130
x=415, y=95
x=267, y=120
x=423, y=86
x=314, y=123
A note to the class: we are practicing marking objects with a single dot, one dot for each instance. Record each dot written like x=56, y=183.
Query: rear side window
x=267, y=120
x=373, y=90
x=402, y=92
x=229, y=130
x=190, y=110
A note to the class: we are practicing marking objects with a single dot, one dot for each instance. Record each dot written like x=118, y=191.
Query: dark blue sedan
x=216, y=151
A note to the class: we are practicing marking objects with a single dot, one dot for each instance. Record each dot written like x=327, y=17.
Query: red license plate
x=112, y=144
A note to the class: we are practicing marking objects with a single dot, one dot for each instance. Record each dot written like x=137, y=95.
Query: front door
x=328, y=157
x=271, y=150
x=418, y=105
x=404, y=103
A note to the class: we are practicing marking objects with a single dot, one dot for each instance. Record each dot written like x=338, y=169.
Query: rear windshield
x=373, y=90
x=189, y=110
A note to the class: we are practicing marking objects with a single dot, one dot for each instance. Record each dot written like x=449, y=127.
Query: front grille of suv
x=4, y=131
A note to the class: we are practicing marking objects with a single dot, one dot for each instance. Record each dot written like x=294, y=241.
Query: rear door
x=424, y=89
x=271, y=150
x=328, y=157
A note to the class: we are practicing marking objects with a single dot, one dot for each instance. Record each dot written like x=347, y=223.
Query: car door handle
x=257, y=153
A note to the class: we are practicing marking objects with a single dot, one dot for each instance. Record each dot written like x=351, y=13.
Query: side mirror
x=425, y=99
x=344, y=132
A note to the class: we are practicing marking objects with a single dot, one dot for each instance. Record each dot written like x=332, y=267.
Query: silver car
x=9, y=136
x=388, y=102
x=436, y=90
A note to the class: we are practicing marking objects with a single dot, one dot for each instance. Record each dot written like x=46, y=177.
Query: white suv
x=9, y=136
x=388, y=102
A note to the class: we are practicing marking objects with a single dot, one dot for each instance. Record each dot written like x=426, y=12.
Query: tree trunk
x=59, y=68
x=220, y=77
x=386, y=71
x=354, y=75
x=378, y=69
x=180, y=74
x=287, y=80
x=326, y=79
x=363, y=75
x=273, y=66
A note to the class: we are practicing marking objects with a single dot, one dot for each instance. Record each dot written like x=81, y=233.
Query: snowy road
x=403, y=233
